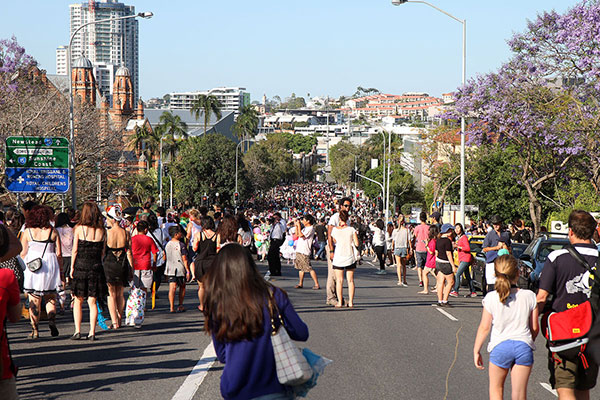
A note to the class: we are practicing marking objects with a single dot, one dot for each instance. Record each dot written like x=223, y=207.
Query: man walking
x=491, y=245
x=345, y=204
x=421, y=234
x=321, y=231
x=569, y=282
x=276, y=237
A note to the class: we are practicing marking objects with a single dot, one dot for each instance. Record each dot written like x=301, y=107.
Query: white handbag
x=291, y=365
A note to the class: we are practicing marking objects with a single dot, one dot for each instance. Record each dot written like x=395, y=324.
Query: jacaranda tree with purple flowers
x=543, y=100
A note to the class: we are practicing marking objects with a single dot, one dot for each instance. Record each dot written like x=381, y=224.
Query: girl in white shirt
x=512, y=316
x=306, y=236
x=343, y=257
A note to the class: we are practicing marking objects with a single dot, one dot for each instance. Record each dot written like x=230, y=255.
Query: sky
x=279, y=47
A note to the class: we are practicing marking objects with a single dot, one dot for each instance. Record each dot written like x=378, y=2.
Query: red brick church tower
x=84, y=83
x=122, y=108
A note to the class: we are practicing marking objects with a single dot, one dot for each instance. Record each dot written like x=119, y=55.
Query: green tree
x=146, y=141
x=341, y=158
x=298, y=143
x=270, y=162
x=207, y=104
x=402, y=186
x=206, y=164
x=246, y=125
x=174, y=131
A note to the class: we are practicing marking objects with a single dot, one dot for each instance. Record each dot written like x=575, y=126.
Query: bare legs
x=401, y=269
x=313, y=275
x=200, y=295
x=172, y=289
x=351, y=289
x=116, y=304
x=78, y=314
x=444, y=286
x=339, y=285
x=35, y=306
x=519, y=377
x=425, y=276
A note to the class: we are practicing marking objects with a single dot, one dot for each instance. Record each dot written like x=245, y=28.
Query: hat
x=496, y=220
x=436, y=215
x=446, y=227
x=114, y=212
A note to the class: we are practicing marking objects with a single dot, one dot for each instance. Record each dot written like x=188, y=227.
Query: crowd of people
x=63, y=260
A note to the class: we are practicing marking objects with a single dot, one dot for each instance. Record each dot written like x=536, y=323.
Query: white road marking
x=196, y=377
x=446, y=314
x=549, y=388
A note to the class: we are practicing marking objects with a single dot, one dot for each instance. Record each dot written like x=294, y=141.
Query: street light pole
x=462, y=119
x=160, y=172
x=236, y=167
x=146, y=15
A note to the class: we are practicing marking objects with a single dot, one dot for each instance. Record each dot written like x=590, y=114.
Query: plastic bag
x=318, y=364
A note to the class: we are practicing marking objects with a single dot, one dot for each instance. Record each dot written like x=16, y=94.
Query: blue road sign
x=37, y=180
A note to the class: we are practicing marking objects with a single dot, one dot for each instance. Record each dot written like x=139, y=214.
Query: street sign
x=37, y=164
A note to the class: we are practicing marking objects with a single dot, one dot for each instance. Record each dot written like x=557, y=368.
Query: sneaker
x=421, y=284
x=447, y=305
x=399, y=283
x=453, y=294
x=473, y=294
x=404, y=284
x=380, y=272
x=438, y=304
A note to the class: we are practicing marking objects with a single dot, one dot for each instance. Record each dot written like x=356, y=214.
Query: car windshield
x=547, y=248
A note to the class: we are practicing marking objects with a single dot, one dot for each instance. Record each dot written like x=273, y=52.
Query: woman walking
x=344, y=257
x=429, y=269
x=464, y=259
x=306, y=236
x=379, y=244
x=238, y=305
x=206, y=250
x=117, y=264
x=227, y=232
x=87, y=273
x=402, y=245
x=41, y=245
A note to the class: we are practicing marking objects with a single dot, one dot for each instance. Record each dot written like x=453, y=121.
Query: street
x=393, y=345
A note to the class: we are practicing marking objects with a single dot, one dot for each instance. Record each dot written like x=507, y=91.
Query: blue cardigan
x=250, y=365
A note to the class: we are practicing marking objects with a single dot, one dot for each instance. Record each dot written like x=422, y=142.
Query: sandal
x=316, y=287
x=298, y=286
x=180, y=309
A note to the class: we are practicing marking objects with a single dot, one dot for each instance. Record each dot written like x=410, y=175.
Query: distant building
x=61, y=60
x=232, y=98
x=411, y=105
x=108, y=45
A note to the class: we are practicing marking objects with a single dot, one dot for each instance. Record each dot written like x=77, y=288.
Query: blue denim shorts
x=401, y=251
x=511, y=352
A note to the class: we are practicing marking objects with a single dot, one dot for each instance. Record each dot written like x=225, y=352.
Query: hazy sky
x=276, y=47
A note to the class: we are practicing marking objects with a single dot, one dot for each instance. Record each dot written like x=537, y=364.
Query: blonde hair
x=194, y=213
x=506, y=269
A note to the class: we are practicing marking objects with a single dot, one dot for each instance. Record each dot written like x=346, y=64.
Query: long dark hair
x=91, y=216
x=227, y=229
x=235, y=296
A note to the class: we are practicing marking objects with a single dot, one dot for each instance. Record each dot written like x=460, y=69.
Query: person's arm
x=540, y=298
x=196, y=240
x=74, y=249
x=355, y=239
x=14, y=246
x=24, y=245
x=186, y=266
x=450, y=258
x=534, y=323
x=58, y=246
x=14, y=298
x=218, y=242
x=219, y=349
x=482, y=333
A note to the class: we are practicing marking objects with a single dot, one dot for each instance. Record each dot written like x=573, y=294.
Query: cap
x=495, y=220
x=114, y=212
x=446, y=227
x=436, y=215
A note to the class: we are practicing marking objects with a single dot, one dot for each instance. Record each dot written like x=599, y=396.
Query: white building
x=61, y=60
x=232, y=98
x=107, y=45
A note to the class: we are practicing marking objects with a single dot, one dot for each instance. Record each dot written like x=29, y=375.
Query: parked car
x=531, y=258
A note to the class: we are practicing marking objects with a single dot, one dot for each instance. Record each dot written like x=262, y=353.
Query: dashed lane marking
x=196, y=377
x=549, y=388
x=447, y=314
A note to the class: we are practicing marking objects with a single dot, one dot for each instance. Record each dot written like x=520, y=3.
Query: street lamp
x=462, y=119
x=146, y=14
x=236, y=167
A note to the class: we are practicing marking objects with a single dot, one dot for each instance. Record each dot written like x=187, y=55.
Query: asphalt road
x=392, y=345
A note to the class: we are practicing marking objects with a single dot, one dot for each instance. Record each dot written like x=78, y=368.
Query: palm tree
x=145, y=141
x=208, y=104
x=138, y=139
x=247, y=123
x=173, y=130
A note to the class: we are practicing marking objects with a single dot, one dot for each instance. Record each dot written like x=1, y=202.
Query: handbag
x=35, y=264
x=134, y=309
x=291, y=365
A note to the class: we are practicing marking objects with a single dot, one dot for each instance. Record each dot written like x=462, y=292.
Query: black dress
x=207, y=250
x=88, y=273
x=116, y=266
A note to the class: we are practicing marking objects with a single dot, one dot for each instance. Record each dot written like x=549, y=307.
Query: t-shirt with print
x=175, y=249
x=303, y=245
x=9, y=297
x=401, y=238
x=564, y=277
x=422, y=235
x=443, y=245
x=510, y=321
x=141, y=248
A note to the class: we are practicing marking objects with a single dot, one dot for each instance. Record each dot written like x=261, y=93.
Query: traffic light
x=204, y=198
x=352, y=176
x=357, y=196
x=379, y=203
x=236, y=196
x=165, y=170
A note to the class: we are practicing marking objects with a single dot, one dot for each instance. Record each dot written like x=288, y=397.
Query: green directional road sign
x=37, y=152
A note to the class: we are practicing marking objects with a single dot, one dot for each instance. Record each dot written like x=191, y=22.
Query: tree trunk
x=535, y=208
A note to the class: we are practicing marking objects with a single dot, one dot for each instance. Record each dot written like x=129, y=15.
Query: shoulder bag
x=35, y=264
x=291, y=365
